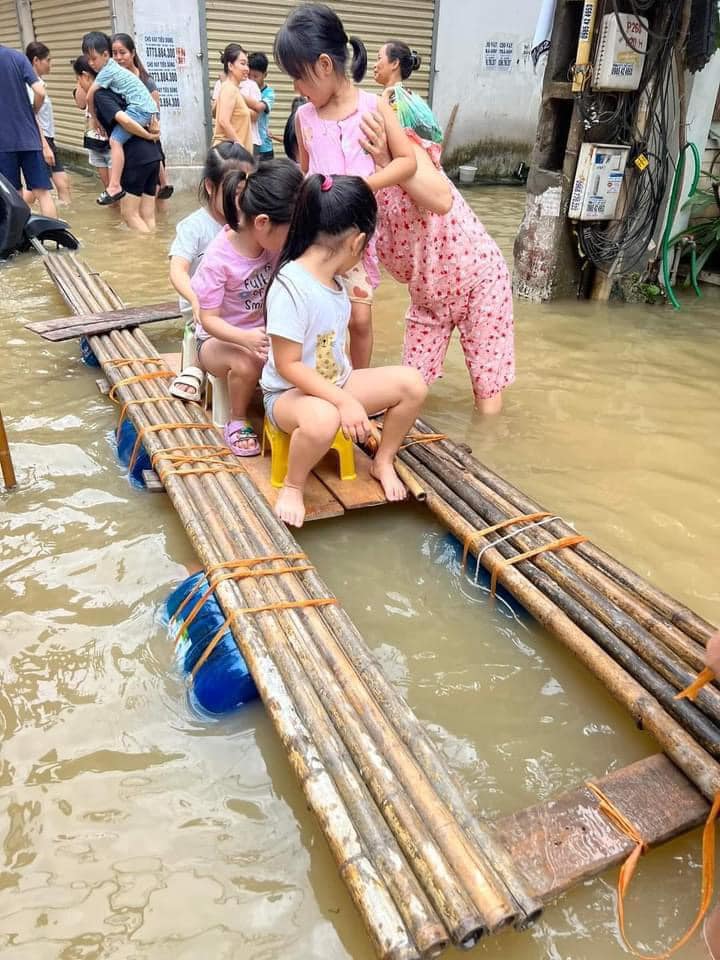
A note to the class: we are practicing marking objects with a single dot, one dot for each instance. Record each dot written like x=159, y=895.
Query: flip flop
x=241, y=429
x=164, y=193
x=105, y=198
x=191, y=377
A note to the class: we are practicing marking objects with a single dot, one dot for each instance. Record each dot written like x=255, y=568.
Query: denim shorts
x=139, y=116
x=269, y=399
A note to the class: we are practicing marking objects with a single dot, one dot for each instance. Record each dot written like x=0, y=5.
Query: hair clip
x=326, y=184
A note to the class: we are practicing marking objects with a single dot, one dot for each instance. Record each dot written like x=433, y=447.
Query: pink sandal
x=237, y=431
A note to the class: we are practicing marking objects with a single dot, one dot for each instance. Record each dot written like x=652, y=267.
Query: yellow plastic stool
x=280, y=448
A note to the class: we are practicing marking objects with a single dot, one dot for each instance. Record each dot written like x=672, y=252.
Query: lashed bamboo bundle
x=420, y=866
x=643, y=644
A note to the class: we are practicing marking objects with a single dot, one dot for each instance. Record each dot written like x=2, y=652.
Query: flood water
x=132, y=829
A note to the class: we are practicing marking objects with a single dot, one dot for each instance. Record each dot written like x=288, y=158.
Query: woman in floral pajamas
x=454, y=271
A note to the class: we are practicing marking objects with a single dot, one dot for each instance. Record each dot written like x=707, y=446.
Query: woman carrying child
x=456, y=275
x=230, y=286
x=310, y=388
x=312, y=47
x=125, y=54
x=193, y=235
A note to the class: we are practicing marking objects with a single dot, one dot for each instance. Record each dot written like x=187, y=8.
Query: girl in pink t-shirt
x=312, y=47
x=230, y=286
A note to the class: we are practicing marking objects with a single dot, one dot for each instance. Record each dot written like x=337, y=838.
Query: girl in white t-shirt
x=192, y=237
x=309, y=386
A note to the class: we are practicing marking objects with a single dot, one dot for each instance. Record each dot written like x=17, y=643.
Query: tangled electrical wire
x=641, y=119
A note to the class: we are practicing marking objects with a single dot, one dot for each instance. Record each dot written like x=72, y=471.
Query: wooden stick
x=6, y=464
x=68, y=328
x=678, y=614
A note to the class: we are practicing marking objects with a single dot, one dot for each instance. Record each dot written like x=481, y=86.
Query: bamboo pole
x=6, y=464
x=677, y=613
x=645, y=709
x=404, y=720
x=557, y=565
x=462, y=857
x=382, y=919
x=705, y=732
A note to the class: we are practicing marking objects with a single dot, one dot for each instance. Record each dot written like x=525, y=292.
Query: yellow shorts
x=359, y=287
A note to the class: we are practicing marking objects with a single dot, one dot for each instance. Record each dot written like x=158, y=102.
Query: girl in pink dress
x=455, y=273
x=312, y=48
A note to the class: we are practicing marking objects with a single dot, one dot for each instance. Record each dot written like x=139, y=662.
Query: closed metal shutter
x=60, y=25
x=9, y=30
x=374, y=22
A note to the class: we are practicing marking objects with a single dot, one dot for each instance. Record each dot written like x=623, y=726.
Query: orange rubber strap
x=693, y=689
x=177, y=454
x=423, y=438
x=124, y=361
x=130, y=403
x=155, y=427
x=231, y=565
x=621, y=823
x=545, y=548
x=282, y=605
x=139, y=377
x=238, y=575
x=470, y=540
x=201, y=471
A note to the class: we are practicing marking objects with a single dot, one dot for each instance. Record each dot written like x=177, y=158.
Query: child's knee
x=321, y=420
x=414, y=386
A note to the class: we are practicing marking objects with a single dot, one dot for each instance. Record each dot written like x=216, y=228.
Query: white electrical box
x=620, y=54
x=598, y=181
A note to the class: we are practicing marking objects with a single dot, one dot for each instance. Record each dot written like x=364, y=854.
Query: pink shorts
x=484, y=319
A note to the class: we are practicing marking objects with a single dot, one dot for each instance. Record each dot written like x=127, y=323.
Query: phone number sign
x=161, y=60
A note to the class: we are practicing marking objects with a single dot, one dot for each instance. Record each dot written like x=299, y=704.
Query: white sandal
x=192, y=378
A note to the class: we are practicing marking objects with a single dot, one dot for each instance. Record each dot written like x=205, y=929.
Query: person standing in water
x=233, y=117
x=21, y=147
x=39, y=56
x=395, y=63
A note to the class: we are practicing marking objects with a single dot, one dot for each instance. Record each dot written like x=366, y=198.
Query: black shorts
x=141, y=180
x=58, y=165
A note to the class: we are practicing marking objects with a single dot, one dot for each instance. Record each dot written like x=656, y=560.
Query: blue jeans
x=139, y=116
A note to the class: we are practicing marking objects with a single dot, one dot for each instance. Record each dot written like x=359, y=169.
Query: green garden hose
x=672, y=210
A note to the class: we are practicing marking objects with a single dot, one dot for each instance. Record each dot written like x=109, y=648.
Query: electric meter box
x=598, y=181
x=620, y=54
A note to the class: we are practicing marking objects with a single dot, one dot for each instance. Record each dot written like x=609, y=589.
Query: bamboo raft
x=423, y=870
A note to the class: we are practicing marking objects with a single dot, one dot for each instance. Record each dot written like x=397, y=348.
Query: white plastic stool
x=220, y=400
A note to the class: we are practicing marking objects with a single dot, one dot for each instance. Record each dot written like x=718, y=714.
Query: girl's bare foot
x=391, y=483
x=290, y=506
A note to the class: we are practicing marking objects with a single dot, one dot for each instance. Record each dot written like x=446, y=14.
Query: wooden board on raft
x=363, y=491
x=563, y=842
x=89, y=324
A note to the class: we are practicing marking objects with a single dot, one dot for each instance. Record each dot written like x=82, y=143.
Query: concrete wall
x=168, y=40
x=497, y=88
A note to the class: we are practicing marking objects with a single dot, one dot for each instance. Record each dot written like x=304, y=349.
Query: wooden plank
x=559, y=844
x=364, y=491
x=320, y=504
x=68, y=328
x=153, y=483
x=173, y=361
x=103, y=386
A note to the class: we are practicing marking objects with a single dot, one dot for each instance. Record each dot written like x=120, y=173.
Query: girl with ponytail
x=312, y=47
x=310, y=388
x=230, y=286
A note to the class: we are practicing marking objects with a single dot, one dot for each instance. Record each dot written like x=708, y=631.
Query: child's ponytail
x=358, y=67
x=232, y=184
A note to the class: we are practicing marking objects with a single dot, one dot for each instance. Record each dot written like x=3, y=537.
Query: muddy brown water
x=133, y=829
